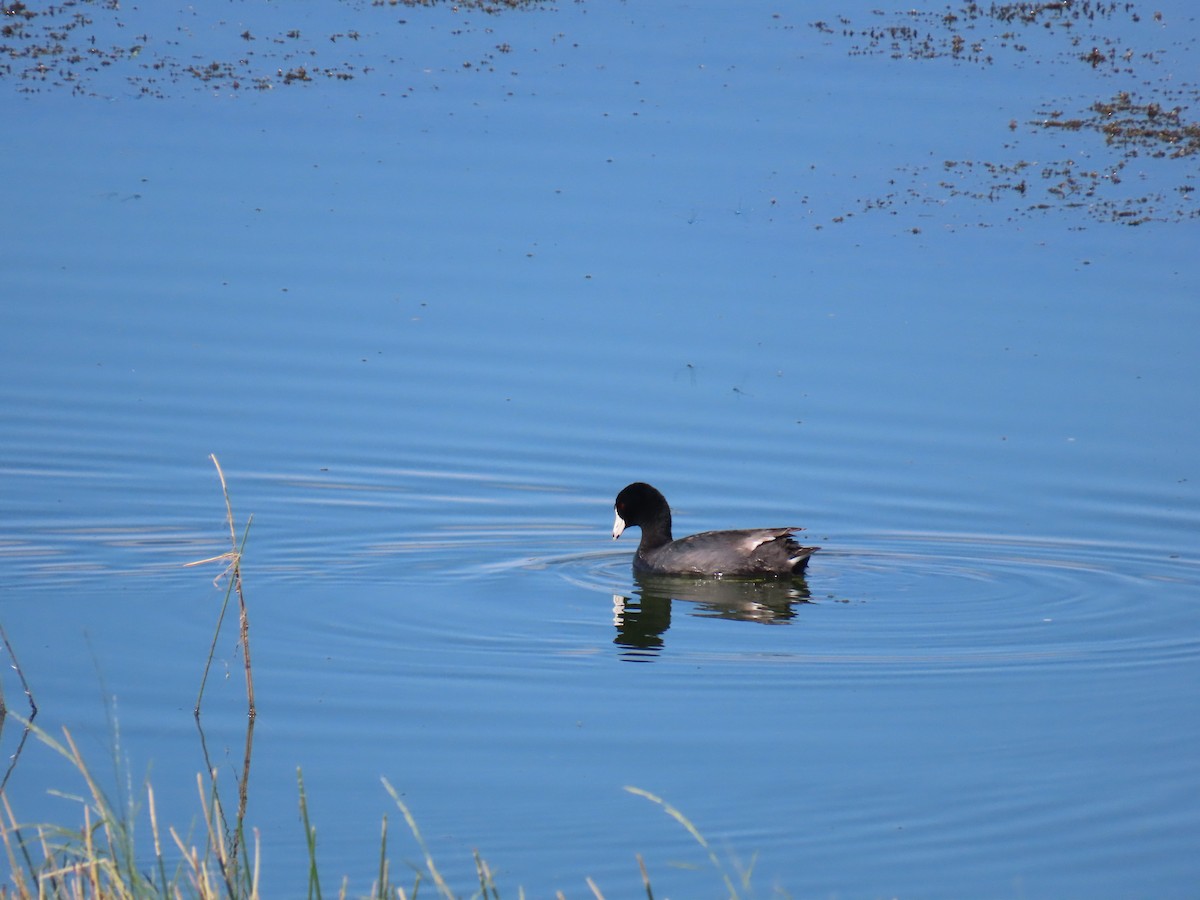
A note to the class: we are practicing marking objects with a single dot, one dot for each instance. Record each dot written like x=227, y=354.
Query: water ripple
x=937, y=601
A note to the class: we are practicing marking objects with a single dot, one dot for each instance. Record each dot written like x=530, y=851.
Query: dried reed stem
x=233, y=558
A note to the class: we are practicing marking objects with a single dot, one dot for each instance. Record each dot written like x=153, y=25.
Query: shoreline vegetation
x=219, y=857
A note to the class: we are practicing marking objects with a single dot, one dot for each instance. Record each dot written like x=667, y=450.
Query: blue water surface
x=434, y=301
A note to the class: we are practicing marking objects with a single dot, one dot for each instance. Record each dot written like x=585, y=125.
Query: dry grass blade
x=10, y=833
x=381, y=886
x=692, y=830
x=440, y=883
x=158, y=854
x=645, y=877
x=487, y=881
x=257, y=865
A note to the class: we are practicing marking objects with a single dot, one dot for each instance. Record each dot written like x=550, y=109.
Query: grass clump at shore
x=100, y=858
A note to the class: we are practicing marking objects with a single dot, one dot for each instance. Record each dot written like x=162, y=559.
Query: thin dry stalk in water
x=233, y=840
x=21, y=675
x=33, y=710
x=234, y=570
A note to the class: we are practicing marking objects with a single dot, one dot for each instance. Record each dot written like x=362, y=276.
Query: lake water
x=434, y=283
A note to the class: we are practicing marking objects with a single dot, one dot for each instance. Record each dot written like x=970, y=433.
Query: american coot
x=750, y=552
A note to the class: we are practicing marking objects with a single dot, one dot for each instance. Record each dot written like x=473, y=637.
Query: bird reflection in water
x=642, y=619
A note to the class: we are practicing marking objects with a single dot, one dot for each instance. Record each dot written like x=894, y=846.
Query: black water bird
x=746, y=553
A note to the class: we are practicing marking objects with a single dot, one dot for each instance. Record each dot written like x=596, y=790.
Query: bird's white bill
x=618, y=527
